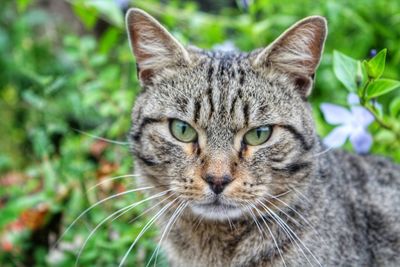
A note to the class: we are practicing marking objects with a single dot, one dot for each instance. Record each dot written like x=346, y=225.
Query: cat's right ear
x=153, y=46
x=297, y=51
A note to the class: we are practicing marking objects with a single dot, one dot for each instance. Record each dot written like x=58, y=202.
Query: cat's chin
x=217, y=212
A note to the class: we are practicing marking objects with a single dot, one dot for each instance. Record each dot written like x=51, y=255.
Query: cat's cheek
x=191, y=149
x=242, y=183
x=192, y=184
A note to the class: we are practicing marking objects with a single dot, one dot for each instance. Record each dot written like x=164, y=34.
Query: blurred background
x=67, y=75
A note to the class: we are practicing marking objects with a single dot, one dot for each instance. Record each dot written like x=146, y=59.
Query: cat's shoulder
x=381, y=169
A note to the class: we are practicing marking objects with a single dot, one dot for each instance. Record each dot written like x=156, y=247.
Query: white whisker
x=322, y=152
x=295, y=235
x=272, y=214
x=151, y=208
x=169, y=224
x=270, y=232
x=102, y=138
x=122, y=212
x=144, y=229
x=299, y=214
x=98, y=203
x=112, y=179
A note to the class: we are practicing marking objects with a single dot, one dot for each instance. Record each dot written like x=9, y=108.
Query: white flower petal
x=353, y=99
x=362, y=116
x=337, y=137
x=361, y=140
x=335, y=114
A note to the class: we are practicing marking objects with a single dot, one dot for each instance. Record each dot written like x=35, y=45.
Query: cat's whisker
x=254, y=219
x=151, y=208
x=163, y=193
x=229, y=220
x=282, y=194
x=306, y=221
x=97, y=204
x=116, y=214
x=145, y=228
x=291, y=238
x=112, y=179
x=270, y=232
x=200, y=219
x=294, y=210
x=300, y=215
x=281, y=210
x=183, y=209
x=102, y=138
x=294, y=234
x=322, y=152
x=300, y=194
x=169, y=225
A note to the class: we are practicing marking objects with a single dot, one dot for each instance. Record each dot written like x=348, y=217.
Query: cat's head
x=224, y=131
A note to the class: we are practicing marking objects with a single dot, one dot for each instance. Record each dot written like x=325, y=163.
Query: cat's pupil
x=183, y=128
x=259, y=131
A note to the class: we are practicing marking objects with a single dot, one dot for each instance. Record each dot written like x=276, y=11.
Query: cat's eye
x=258, y=136
x=182, y=131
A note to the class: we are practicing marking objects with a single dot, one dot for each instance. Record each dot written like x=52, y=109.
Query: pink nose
x=217, y=183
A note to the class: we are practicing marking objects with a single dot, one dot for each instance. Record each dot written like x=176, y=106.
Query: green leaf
x=381, y=87
x=22, y=5
x=376, y=65
x=394, y=107
x=345, y=69
x=109, y=9
x=87, y=16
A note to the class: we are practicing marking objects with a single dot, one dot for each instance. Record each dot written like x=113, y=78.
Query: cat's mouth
x=217, y=204
x=217, y=210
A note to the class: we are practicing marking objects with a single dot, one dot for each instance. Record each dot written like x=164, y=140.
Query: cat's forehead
x=223, y=90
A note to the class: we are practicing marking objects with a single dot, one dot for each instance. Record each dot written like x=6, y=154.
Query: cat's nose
x=217, y=183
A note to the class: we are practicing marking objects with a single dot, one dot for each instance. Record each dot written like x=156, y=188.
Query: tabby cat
x=228, y=140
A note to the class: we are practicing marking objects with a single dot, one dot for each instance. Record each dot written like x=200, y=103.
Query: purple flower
x=372, y=53
x=244, y=4
x=122, y=4
x=351, y=123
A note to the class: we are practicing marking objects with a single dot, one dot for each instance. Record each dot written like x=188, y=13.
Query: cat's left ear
x=297, y=52
x=154, y=47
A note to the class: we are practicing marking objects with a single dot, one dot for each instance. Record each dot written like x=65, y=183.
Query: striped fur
x=224, y=95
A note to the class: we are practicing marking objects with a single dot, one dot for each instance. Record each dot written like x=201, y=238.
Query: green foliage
x=376, y=65
x=368, y=87
x=346, y=70
x=68, y=66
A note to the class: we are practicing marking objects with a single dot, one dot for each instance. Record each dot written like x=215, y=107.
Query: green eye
x=183, y=131
x=257, y=136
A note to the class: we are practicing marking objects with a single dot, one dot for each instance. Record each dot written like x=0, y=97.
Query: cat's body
x=351, y=222
x=230, y=140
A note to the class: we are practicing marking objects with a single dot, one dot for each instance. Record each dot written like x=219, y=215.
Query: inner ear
x=303, y=85
x=297, y=52
x=153, y=46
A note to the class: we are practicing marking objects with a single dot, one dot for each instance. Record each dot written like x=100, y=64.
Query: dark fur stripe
x=241, y=76
x=146, y=160
x=196, y=114
x=293, y=168
x=145, y=121
x=298, y=136
x=209, y=89
x=233, y=105
x=246, y=113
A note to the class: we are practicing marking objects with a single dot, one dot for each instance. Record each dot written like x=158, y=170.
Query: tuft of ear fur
x=297, y=51
x=153, y=46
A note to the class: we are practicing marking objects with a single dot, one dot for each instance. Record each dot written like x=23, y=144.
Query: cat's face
x=224, y=131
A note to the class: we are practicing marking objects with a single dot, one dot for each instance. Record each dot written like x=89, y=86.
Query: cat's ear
x=153, y=46
x=297, y=51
